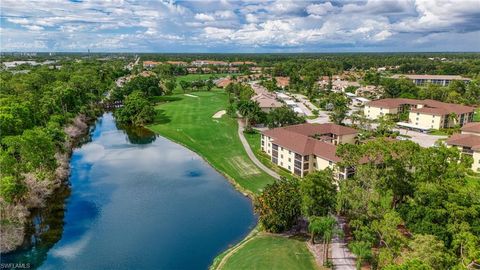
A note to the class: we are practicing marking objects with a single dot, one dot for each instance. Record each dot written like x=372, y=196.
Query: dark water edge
x=190, y=230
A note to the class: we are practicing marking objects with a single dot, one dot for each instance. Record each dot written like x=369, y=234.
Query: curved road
x=250, y=152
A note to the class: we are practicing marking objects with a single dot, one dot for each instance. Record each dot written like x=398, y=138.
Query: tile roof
x=464, y=140
x=430, y=106
x=298, y=138
x=472, y=127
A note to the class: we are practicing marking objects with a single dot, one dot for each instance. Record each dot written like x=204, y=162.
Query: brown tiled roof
x=391, y=102
x=267, y=101
x=297, y=138
x=430, y=106
x=466, y=140
x=313, y=129
x=472, y=127
x=282, y=81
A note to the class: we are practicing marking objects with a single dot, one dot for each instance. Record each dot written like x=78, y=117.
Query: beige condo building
x=305, y=148
x=468, y=142
x=423, y=115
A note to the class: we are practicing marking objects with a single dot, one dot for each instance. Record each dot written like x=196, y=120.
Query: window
x=330, y=163
x=281, y=156
x=281, y=163
x=289, y=168
x=289, y=160
x=418, y=114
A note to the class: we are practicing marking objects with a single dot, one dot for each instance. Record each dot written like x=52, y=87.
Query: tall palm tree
x=250, y=110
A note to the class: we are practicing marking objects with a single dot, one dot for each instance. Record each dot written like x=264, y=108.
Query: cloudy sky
x=240, y=26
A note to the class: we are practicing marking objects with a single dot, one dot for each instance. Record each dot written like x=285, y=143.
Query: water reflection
x=138, y=135
x=149, y=206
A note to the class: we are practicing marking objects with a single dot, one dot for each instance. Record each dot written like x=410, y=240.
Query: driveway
x=424, y=140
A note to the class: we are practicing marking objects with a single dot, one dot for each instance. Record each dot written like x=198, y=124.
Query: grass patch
x=253, y=140
x=272, y=252
x=189, y=122
x=444, y=131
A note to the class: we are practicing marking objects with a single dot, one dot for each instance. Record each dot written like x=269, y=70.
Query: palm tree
x=322, y=226
x=250, y=110
x=452, y=117
x=362, y=250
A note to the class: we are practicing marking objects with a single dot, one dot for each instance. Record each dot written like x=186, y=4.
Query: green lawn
x=254, y=142
x=271, y=252
x=188, y=121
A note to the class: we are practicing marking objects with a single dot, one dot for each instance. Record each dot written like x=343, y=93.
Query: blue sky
x=240, y=26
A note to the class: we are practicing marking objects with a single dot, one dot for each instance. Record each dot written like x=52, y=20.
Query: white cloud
x=193, y=25
x=204, y=17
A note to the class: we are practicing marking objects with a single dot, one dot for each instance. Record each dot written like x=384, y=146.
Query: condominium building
x=305, y=148
x=423, y=115
x=468, y=142
x=442, y=80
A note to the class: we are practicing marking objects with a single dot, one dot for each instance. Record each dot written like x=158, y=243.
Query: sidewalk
x=250, y=152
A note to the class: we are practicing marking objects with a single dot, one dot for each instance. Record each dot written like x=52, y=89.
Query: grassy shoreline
x=188, y=121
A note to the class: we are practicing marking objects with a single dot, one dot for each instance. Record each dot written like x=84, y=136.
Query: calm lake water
x=136, y=201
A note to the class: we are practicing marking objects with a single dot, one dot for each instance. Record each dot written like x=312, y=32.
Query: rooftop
x=472, y=127
x=430, y=106
x=464, y=140
x=299, y=138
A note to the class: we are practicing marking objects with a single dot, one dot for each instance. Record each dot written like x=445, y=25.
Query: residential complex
x=305, y=148
x=442, y=80
x=468, y=142
x=423, y=115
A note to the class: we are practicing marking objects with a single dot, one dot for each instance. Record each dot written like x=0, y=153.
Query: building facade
x=442, y=80
x=423, y=115
x=305, y=148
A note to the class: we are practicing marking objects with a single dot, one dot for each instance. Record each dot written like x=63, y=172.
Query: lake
x=136, y=201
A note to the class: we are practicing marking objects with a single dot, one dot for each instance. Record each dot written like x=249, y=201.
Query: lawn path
x=342, y=258
x=250, y=153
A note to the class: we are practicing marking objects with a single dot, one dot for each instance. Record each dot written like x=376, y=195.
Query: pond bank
x=16, y=216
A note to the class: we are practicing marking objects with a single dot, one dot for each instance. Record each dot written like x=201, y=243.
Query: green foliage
x=318, y=193
x=338, y=106
x=283, y=116
x=11, y=189
x=149, y=85
x=279, y=205
x=136, y=110
x=251, y=111
x=362, y=250
x=401, y=189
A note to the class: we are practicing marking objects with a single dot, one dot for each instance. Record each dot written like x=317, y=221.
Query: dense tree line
x=411, y=204
x=34, y=109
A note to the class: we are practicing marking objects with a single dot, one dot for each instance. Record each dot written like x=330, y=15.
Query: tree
x=340, y=108
x=428, y=249
x=362, y=250
x=318, y=193
x=136, y=110
x=184, y=85
x=250, y=110
x=209, y=84
x=279, y=205
x=323, y=227
x=283, y=116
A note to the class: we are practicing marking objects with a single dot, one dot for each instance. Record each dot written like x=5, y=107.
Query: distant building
x=241, y=63
x=199, y=63
x=305, y=148
x=422, y=114
x=442, y=80
x=150, y=64
x=282, y=82
x=177, y=63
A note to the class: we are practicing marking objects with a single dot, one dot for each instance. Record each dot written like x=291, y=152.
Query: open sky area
x=240, y=26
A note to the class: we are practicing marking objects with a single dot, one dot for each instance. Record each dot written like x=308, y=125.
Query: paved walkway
x=342, y=258
x=250, y=152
